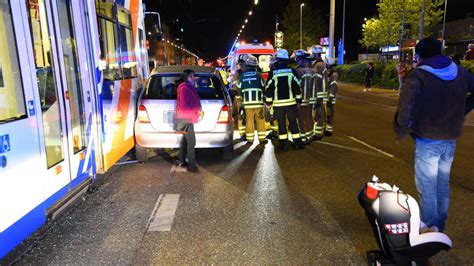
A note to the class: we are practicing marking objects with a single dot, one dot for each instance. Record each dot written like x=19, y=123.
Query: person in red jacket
x=188, y=113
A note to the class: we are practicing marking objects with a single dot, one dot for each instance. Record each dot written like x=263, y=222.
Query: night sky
x=210, y=26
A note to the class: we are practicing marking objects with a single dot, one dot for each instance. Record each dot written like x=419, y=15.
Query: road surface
x=263, y=207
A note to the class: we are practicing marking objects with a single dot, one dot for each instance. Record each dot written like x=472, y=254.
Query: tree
x=313, y=26
x=385, y=28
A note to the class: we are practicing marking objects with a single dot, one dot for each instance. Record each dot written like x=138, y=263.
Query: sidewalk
x=379, y=97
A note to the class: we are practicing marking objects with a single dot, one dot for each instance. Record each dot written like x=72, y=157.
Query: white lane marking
x=348, y=98
x=165, y=212
x=372, y=147
x=346, y=148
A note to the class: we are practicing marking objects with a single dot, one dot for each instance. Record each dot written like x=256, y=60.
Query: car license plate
x=168, y=117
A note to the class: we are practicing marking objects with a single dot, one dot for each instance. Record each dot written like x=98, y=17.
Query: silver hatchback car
x=157, y=108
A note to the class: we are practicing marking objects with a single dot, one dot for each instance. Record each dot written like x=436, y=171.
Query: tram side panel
x=45, y=112
x=121, y=73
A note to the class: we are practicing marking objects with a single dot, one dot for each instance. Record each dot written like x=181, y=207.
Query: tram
x=70, y=73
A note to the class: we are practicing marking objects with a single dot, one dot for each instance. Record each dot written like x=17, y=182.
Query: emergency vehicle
x=70, y=72
x=262, y=51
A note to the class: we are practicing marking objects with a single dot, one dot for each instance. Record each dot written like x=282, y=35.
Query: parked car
x=157, y=108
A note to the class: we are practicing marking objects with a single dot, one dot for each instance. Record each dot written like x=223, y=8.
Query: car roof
x=180, y=69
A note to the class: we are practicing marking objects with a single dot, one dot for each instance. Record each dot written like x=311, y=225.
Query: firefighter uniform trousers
x=255, y=120
x=238, y=102
x=305, y=112
x=331, y=102
x=319, y=107
x=330, y=115
x=305, y=118
x=281, y=114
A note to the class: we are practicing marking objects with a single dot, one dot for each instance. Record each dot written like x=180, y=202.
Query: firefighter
x=320, y=82
x=333, y=77
x=238, y=100
x=305, y=75
x=251, y=86
x=283, y=93
x=271, y=123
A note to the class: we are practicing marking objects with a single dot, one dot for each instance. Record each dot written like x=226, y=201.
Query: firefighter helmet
x=300, y=54
x=282, y=54
x=251, y=60
x=317, y=49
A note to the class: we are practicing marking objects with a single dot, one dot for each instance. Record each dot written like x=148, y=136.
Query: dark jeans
x=187, y=145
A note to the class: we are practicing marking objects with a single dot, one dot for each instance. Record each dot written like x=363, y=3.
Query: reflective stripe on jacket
x=283, y=86
x=250, y=87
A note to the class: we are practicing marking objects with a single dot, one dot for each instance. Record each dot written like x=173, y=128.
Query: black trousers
x=291, y=113
x=187, y=145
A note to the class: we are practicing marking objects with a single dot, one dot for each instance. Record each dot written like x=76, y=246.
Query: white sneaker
x=365, y=90
x=370, y=89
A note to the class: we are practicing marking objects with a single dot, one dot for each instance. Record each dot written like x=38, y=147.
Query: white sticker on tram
x=162, y=218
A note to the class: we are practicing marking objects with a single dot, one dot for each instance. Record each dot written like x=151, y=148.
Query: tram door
x=77, y=84
x=20, y=155
x=64, y=95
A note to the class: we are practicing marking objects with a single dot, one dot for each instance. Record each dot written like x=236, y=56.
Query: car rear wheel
x=228, y=152
x=141, y=153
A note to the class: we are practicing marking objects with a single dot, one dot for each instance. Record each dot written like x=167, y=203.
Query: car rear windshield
x=165, y=87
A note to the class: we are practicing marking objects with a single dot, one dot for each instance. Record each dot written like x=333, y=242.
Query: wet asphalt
x=263, y=207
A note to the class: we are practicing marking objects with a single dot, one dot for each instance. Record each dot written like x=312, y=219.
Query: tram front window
x=72, y=70
x=12, y=101
x=47, y=86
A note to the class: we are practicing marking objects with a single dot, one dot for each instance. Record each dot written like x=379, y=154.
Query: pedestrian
x=305, y=75
x=320, y=84
x=431, y=109
x=283, y=93
x=250, y=93
x=188, y=113
x=402, y=72
x=369, y=76
x=333, y=77
x=470, y=52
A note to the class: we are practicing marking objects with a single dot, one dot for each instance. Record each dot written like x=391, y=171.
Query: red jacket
x=188, y=104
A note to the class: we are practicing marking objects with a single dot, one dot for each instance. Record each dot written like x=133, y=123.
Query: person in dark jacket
x=369, y=76
x=431, y=109
x=188, y=113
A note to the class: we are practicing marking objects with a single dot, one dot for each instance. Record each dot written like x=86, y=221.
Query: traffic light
x=279, y=39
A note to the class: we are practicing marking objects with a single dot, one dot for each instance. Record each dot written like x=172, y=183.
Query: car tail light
x=224, y=117
x=143, y=115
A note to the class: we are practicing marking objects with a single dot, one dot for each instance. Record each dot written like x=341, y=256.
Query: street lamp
x=444, y=21
x=256, y=2
x=301, y=25
x=250, y=12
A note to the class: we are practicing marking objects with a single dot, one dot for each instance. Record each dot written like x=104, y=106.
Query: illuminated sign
x=324, y=41
x=279, y=39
